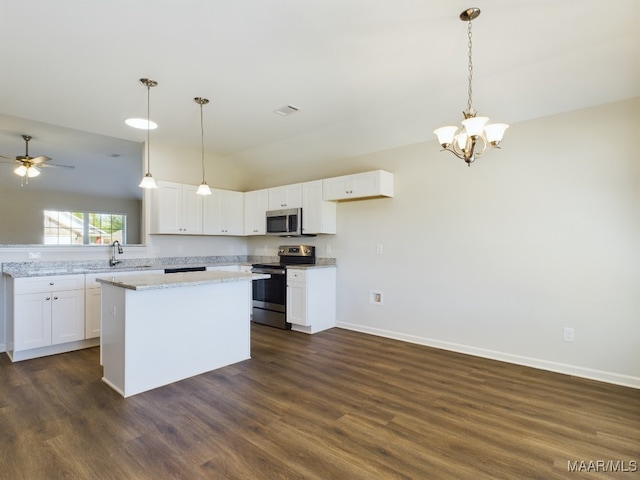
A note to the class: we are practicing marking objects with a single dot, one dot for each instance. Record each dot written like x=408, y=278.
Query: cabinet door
x=287, y=196
x=232, y=212
x=67, y=316
x=297, y=303
x=191, y=211
x=92, y=313
x=223, y=213
x=377, y=183
x=167, y=208
x=211, y=213
x=256, y=203
x=32, y=321
x=336, y=188
x=318, y=215
x=365, y=184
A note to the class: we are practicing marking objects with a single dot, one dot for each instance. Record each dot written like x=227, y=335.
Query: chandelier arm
x=485, y=146
x=451, y=148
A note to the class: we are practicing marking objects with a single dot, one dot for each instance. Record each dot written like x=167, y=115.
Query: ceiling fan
x=29, y=167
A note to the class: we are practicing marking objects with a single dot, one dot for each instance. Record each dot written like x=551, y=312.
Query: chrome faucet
x=113, y=262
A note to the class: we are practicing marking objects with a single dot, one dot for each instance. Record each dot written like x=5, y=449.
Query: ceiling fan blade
x=6, y=156
x=55, y=165
x=39, y=160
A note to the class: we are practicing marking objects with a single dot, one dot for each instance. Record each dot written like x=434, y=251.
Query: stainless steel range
x=270, y=295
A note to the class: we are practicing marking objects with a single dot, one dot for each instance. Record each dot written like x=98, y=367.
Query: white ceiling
x=367, y=75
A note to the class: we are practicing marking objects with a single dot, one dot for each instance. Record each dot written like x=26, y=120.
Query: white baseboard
x=589, y=373
x=3, y=347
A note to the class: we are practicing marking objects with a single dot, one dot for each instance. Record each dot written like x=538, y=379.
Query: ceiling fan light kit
x=29, y=167
x=475, y=137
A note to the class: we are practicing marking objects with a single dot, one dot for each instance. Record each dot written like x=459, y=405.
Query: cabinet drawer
x=53, y=283
x=296, y=275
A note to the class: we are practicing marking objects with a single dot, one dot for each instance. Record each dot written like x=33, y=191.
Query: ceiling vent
x=286, y=110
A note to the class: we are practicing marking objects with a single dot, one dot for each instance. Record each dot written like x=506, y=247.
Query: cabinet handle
x=51, y=283
x=55, y=298
x=48, y=298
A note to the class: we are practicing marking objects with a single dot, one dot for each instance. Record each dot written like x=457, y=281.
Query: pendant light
x=147, y=180
x=203, y=189
x=474, y=138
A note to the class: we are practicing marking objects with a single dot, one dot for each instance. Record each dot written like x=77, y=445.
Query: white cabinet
x=46, y=311
x=318, y=215
x=287, y=196
x=92, y=312
x=377, y=183
x=256, y=203
x=223, y=213
x=176, y=208
x=311, y=298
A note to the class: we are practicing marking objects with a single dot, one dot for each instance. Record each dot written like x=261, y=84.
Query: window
x=83, y=228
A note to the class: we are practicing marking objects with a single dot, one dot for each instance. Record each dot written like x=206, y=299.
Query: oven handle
x=272, y=271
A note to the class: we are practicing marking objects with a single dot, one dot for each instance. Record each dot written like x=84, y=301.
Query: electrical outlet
x=328, y=248
x=180, y=248
x=34, y=255
x=379, y=249
x=375, y=297
x=568, y=335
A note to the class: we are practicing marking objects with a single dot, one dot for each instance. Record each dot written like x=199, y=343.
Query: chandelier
x=475, y=137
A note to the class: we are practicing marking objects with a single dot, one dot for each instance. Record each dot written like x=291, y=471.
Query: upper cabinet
x=377, y=183
x=256, y=204
x=318, y=215
x=176, y=208
x=287, y=196
x=223, y=213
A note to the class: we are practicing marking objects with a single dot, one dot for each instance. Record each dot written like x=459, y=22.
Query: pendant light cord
x=148, y=127
x=202, y=139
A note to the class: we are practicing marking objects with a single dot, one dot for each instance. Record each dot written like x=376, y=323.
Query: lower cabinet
x=46, y=311
x=311, y=298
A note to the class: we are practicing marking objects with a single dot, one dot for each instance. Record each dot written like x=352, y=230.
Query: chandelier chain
x=470, y=67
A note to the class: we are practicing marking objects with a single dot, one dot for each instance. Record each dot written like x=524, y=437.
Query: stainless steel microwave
x=285, y=223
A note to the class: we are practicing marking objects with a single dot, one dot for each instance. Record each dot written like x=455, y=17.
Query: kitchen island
x=158, y=329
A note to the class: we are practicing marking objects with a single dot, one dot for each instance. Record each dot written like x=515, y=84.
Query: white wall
x=496, y=259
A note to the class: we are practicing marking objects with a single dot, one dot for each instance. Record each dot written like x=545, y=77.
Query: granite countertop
x=78, y=267
x=182, y=279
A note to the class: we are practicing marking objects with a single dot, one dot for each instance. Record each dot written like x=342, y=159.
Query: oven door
x=270, y=293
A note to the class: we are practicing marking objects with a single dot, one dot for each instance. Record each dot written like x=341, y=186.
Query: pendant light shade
x=203, y=189
x=147, y=180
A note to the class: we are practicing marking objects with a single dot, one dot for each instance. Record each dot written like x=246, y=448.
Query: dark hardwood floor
x=335, y=405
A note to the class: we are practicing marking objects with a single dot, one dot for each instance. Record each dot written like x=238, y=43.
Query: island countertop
x=182, y=279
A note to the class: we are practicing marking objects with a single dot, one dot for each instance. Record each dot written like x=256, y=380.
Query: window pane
x=80, y=228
